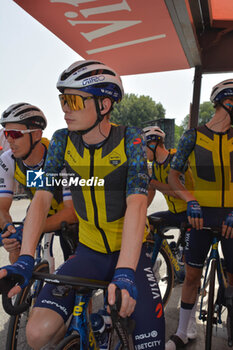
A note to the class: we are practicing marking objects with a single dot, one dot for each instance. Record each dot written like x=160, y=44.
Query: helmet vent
x=66, y=75
x=25, y=111
x=95, y=72
x=5, y=115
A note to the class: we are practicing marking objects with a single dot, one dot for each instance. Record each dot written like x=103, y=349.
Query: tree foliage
x=135, y=110
x=206, y=112
x=178, y=133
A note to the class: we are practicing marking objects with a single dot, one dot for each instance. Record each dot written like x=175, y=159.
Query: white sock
x=193, y=313
x=183, y=324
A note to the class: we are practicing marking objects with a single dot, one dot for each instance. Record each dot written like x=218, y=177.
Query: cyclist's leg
x=195, y=254
x=150, y=330
x=47, y=320
x=41, y=325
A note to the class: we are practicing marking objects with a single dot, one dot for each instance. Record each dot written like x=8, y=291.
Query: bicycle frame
x=47, y=250
x=80, y=323
x=177, y=267
x=214, y=254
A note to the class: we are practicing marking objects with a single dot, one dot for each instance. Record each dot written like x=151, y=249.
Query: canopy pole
x=194, y=106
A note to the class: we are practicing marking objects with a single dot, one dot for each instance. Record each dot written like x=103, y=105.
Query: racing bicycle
x=219, y=308
x=16, y=338
x=80, y=333
x=167, y=259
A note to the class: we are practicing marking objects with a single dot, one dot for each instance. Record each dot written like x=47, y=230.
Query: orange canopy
x=142, y=36
x=132, y=36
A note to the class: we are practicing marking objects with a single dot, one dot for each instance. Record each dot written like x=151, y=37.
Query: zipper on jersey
x=92, y=151
x=222, y=168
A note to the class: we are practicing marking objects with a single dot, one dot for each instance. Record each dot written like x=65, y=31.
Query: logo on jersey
x=137, y=141
x=35, y=178
x=3, y=165
x=114, y=159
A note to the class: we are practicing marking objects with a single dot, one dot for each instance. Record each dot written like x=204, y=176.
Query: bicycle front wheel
x=16, y=335
x=210, y=312
x=163, y=271
x=72, y=342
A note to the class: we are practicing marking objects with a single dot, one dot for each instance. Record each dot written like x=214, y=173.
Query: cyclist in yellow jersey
x=23, y=126
x=209, y=149
x=109, y=191
x=176, y=214
x=161, y=158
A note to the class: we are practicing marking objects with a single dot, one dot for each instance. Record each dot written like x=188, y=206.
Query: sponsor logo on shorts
x=53, y=303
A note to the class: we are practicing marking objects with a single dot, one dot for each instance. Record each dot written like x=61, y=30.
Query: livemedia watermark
x=38, y=179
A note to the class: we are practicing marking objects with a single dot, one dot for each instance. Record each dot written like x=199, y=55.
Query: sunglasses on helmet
x=16, y=134
x=75, y=102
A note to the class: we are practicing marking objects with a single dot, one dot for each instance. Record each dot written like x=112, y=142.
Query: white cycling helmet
x=92, y=77
x=24, y=113
x=154, y=133
x=222, y=90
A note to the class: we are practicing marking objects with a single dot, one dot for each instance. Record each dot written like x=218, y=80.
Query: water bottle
x=173, y=248
x=180, y=258
x=100, y=330
x=178, y=254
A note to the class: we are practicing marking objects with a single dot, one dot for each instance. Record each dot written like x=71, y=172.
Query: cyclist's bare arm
x=176, y=185
x=52, y=223
x=33, y=228
x=11, y=245
x=132, y=237
x=164, y=188
x=180, y=189
x=5, y=204
x=67, y=214
x=35, y=221
x=151, y=194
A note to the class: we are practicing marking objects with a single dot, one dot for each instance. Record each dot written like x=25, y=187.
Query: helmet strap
x=99, y=119
x=154, y=151
x=229, y=111
x=32, y=146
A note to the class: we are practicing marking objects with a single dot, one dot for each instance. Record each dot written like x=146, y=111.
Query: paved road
x=172, y=309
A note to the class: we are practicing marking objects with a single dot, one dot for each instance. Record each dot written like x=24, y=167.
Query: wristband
x=22, y=267
x=124, y=278
x=229, y=220
x=194, y=209
x=3, y=231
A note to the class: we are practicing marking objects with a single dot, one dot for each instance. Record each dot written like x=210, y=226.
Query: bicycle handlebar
x=217, y=231
x=5, y=285
x=75, y=282
x=81, y=285
x=161, y=226
x=123, y=326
